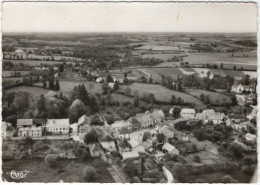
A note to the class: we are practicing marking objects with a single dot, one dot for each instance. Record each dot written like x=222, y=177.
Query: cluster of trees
x=219, y=132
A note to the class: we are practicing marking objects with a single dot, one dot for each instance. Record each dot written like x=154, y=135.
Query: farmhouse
x=125, y=133
x=188, y=113
x=57, y=126
x=106, y=140
x=210, y=115
x=30, y=132
x=242, y=88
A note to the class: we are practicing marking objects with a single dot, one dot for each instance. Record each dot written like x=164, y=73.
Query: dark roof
x=125, y=144
x=160, y=138
x=134, y=120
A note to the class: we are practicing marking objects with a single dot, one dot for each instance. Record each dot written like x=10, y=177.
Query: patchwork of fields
x=161, y=93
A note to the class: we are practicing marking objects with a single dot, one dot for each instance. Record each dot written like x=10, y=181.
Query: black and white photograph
x=129, y=92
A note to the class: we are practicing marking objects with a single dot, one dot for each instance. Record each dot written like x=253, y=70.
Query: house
x=250, y=137
x=188, y=113
x=136, y=149
x=170, y=149
x=125, y=133
x=34, y=132
x=94, y=150
x=124, y=146
x=157, y=115
x=24, y=123
x=100, y=79
x=237, y=118
x=74, y=129
x=169, y=134
x=106, y=140
x=57, y=126
x=111, y=85
x=84, y=123
x=117, y=125
x=145, y=119
x=135, y=123
x=181, y=136
x=242, y=89
x=210, y=115
x=7, y=130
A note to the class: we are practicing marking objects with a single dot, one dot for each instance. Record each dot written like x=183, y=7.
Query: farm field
x=67, y=170
x=148, y=73
x=161, y=93
x=172, y=72
x=214, y=97
x=36, y=62
x=123, y=98
x=217, y=58
x=12, y=81
x=163, y=56
x=36, y=91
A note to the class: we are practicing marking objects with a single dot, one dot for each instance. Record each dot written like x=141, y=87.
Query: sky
x=128, y=17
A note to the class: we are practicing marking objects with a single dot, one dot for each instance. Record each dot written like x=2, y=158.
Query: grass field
x=161, y=93
x=66, y=171
x=12, y=81
x=124, y=98
x=214, y=97
x=172, y=72
x=36, y=91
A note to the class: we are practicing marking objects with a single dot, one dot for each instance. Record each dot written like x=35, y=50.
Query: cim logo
x=18, y=174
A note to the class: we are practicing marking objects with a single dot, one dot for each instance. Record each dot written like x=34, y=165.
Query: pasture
x=70, y=170
x=172, y=72
x=36, y=91
x=214, y=97
x=161, y=93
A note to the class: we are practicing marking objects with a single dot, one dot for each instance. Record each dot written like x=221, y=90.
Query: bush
x=51, y=160
x=21, y=155
x=40, y=146
x=196, y=159
x=130, y=170
x=90, y=174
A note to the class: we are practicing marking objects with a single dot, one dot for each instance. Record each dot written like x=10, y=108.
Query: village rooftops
x=120, y=123
x=24, y=122
x=58, y=123
x=188, y=111
x=210, y=114
x=168, y=147
x=84, y=119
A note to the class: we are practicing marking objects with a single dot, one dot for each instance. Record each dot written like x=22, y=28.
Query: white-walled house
x=57, y=126
x=170, y=149
x=241, y=88
x=188, y=113
x=210, y=115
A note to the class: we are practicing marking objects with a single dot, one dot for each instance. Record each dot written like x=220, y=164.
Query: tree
x=179, y=170
x=130, y=170
x=136, y=101
x=90, y=174
x=51, y=160
x=105, y=88
x=176, y=112
x=57, y=85
x=93, y=105
x=44, y=85
x=76, y=110
x=128, y=90
x=196, y=159
x=91, y=86
x=10, y=98
x=91, y=137
x=109, y=79
x=173, y=100
x=41, y=104
x=116, y=86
